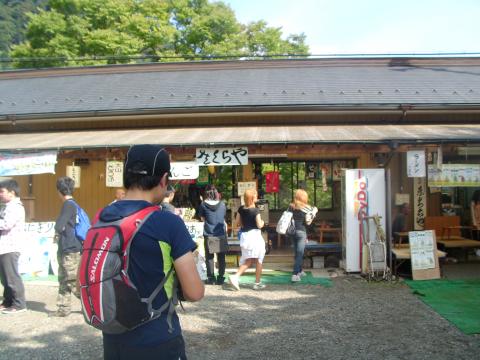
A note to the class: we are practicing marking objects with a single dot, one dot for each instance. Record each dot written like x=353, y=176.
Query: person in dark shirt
x=252, y=244
x=161, y=242
x=400, y=222
x=69, y=247
x=167, y=201
x=212, y=212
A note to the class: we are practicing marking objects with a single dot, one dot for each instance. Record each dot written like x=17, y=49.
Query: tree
x=12, y=21
x=85, y=32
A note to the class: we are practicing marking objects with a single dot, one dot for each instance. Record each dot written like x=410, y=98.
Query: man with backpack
x=133, y=257
x=69, y=247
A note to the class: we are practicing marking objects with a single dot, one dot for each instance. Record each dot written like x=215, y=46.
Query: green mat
x=283, y=278
x=39, y=278
x=458, y=301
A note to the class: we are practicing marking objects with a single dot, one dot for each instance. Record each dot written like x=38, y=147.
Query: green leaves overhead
x=85, y=32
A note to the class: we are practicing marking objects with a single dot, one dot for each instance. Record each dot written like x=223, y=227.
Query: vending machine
x=363, y=194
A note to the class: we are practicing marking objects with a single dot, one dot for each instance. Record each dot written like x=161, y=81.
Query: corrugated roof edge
x=240, y=64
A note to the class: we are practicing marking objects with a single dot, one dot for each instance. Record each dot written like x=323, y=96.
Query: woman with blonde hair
x=303, y=215
x=252, y=244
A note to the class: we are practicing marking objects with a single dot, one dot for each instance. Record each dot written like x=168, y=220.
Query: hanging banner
x=114, y=173
x=452, y=175
x=27, y=164
x=338, y=165
x=416, y=163
x=311, y=168
x=183, y=170
x=420, y=203
x=74, y=172
x=222, y=156
x=272, y=182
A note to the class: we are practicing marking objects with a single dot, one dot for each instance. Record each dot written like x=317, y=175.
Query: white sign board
x=244, y=185
x=416, y=163
x=422, y=249
x=114, y=174
x=221, y=156
x=38, y=250
x=183, y=170
x=74, y=172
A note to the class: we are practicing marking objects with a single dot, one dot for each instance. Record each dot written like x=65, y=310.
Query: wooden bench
x=448, y=232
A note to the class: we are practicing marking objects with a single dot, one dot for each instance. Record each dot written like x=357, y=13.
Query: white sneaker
x=233, y=280
x=302, y=274
x=296, y=278
x=259, y=286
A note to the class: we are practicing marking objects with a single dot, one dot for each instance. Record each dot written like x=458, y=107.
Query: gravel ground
x=351, y=320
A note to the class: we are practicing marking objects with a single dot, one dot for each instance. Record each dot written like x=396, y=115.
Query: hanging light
x=211, y=169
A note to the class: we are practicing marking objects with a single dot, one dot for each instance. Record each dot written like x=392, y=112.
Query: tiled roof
x=168, y=88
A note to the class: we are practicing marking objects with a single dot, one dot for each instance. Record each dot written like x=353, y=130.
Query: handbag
x=291, y=227
x=284, y=222
x=217, y=244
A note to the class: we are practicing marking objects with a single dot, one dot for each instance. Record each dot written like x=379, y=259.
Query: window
x=315, y=177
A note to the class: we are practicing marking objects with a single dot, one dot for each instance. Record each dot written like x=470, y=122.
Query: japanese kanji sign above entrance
x=221, y=156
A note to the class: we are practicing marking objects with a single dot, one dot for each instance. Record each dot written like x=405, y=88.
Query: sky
x=372, y=26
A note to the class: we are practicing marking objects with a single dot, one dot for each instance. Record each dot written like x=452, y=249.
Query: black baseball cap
x=148, y=160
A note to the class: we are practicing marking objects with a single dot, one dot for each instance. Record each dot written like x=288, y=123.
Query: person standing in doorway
x=12, y=224
x=303, y=215
x=69, y=247
x=168, y=199
x=252, y=244
x=212, y=212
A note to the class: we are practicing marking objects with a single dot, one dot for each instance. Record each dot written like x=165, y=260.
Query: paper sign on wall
x=114, y=174
x=74, y=172
x=416, y=163
x=184, y=170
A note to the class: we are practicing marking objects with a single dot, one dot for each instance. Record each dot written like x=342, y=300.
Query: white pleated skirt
x=252, y=246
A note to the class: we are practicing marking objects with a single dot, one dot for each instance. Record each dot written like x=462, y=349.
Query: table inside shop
x=337, y=232
x=313, y=248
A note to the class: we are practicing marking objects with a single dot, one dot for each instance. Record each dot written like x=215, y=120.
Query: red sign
x=272, y=181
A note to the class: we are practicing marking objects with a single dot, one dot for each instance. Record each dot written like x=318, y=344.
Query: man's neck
x=67, y=197
x=138, y=194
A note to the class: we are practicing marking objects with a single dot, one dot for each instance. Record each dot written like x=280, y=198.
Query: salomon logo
x=93, y=270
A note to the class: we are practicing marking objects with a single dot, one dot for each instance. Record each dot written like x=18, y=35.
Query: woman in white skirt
x=252, y=244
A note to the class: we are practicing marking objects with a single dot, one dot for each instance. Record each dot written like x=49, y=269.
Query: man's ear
x=165, y=180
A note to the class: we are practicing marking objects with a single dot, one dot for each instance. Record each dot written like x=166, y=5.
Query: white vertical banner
x=419, y=203
x=74, y=172
x=416, y=163
x=114, y=173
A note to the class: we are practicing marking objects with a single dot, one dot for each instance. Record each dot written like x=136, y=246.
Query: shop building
x=302, y=120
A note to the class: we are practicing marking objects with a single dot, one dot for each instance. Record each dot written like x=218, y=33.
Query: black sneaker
x=4, y=306
x=220, y=280
x=210, y=281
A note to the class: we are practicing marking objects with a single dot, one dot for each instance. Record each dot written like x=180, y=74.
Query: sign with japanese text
x=420, y=203
x=244, y=185
x=416, y=163
x=222, y=156
x=272, y=182
x=452, y=175
x=27, y=164
x=184, y=170
x=114, y=173
x=74, y=172
x=38, y=250
x=422, y=249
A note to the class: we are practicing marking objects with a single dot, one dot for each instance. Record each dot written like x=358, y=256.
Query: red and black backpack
x=110, y=301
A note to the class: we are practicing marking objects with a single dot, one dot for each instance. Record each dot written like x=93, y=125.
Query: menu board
x=424, y=258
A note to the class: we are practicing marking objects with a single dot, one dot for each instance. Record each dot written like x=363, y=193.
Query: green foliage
x=13, y=17
x=114, y=31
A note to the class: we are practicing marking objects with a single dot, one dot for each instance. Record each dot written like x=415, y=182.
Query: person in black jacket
x=69, y=247
x=212, y=212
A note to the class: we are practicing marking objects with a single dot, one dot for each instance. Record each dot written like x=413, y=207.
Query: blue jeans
x=299, y=240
